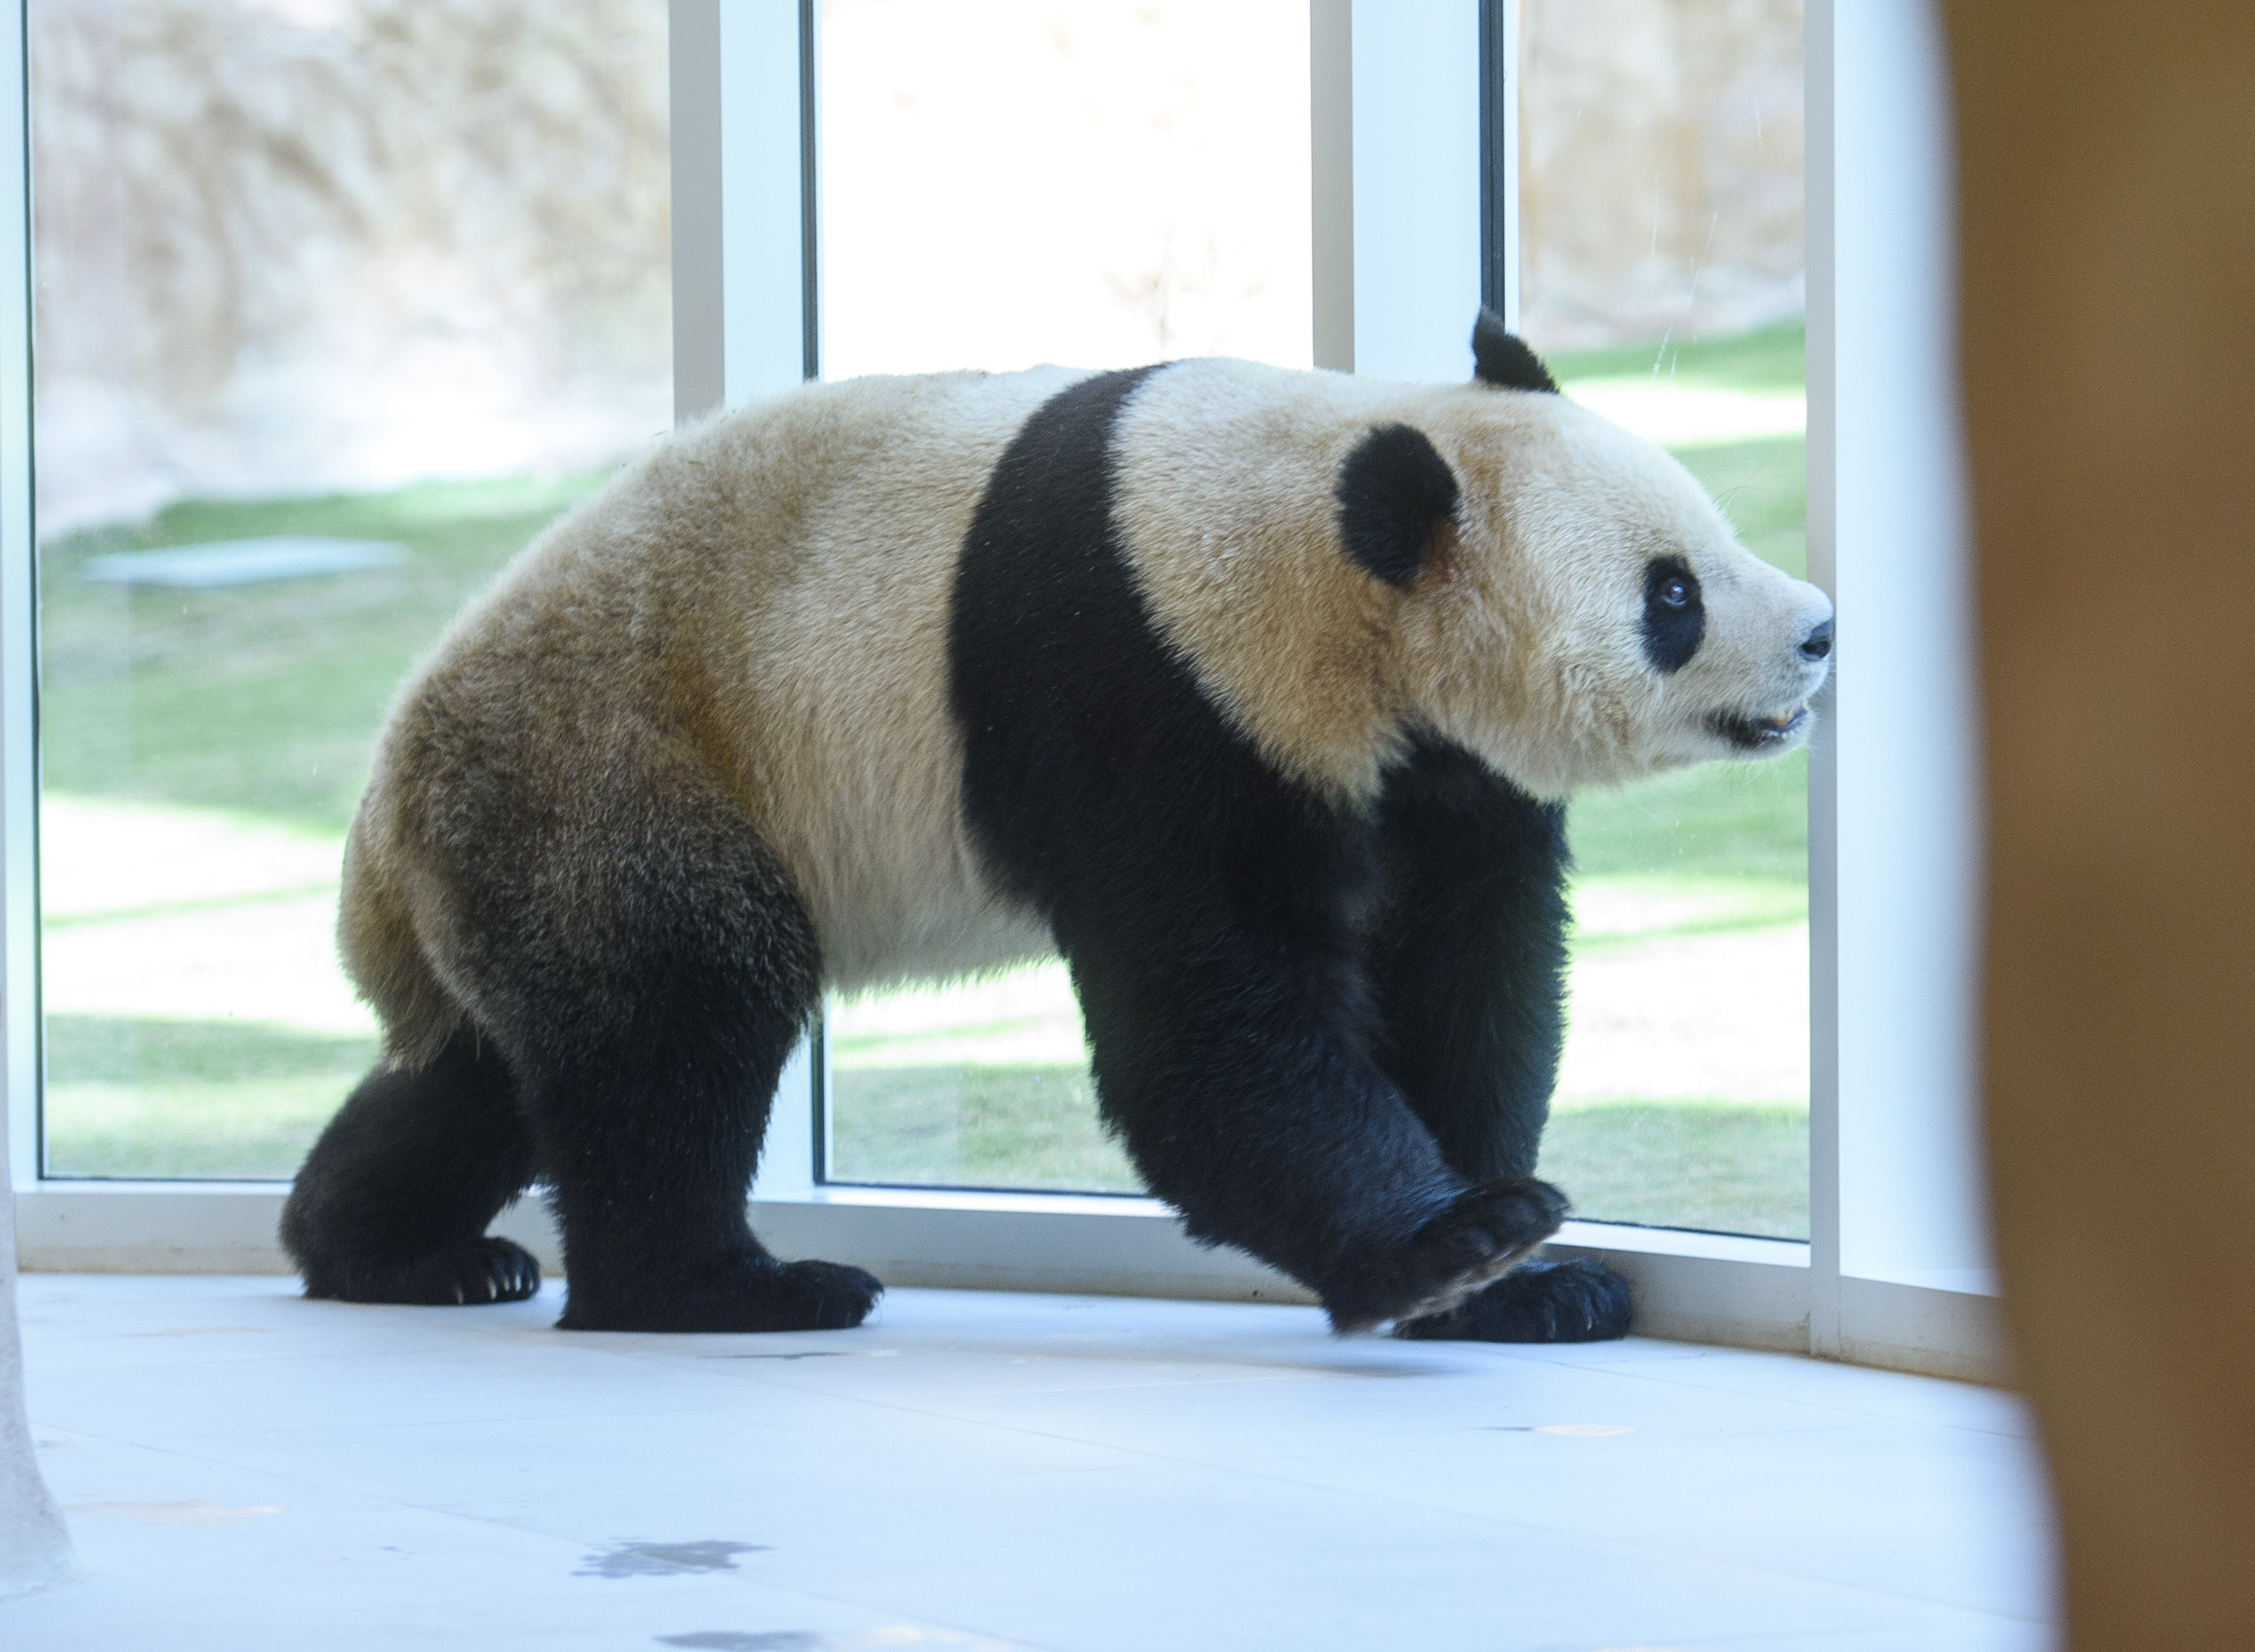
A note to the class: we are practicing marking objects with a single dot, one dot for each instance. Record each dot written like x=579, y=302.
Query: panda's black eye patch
x=1675, y=620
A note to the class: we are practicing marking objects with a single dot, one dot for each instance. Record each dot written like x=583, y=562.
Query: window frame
x=1895, y=1272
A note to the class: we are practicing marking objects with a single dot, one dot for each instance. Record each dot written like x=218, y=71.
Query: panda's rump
x=769, y=592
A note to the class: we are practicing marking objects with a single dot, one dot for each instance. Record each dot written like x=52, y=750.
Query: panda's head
x=1573, y=606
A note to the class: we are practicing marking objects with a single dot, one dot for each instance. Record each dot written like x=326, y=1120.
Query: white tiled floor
x=248, y=1470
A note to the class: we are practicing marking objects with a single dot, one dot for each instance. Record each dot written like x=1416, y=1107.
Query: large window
x=332, y=321
x=339, y=300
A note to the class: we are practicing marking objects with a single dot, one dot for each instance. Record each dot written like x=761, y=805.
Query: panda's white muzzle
x=1768, y=733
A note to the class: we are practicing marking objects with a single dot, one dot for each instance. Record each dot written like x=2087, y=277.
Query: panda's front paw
x=1578, y=1300
x=1482, y=1234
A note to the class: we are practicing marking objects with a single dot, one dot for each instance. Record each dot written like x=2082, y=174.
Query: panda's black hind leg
x=1577, y=1300
x=393, y=1201
x=648, y=966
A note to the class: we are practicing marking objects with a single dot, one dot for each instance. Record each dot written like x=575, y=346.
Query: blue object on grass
x=240, y=561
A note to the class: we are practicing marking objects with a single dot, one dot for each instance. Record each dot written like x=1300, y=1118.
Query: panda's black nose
x=1818, y=642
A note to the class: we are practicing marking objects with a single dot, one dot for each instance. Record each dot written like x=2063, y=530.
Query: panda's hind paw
x=830, y=1296
x=1578, y=1300
x=740, y=1292
x=469, y=1274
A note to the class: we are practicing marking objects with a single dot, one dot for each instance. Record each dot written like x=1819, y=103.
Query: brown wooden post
x=2108, y=234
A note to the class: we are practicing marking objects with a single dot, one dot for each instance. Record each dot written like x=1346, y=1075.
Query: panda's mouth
x=1750, y=733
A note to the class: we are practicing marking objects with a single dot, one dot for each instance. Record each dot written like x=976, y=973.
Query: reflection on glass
x=1097, y=182
x=1661, y=216
x=339, y=301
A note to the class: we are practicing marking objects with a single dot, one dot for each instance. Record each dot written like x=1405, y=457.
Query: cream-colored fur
x=1520, y=640
x=771, y=592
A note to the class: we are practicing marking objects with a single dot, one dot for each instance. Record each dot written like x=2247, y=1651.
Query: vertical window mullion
x=19, y=805
x=746, y=316
x=1499, y=121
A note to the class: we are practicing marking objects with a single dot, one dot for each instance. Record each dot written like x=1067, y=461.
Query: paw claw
x=470, y=1274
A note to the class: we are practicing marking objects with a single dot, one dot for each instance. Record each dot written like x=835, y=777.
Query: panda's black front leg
x=1239, y=1071
x=1468, y=962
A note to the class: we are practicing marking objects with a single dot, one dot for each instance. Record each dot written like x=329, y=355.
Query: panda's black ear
x=1500, y=357
x=1395, y=490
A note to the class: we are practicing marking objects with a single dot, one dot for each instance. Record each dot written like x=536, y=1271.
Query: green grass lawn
x=143, y=1097
x=1732, y=1167
x=1728, y=1166
x=263, y=702
x=975, y=1127
x=1770, y=358
x=261, y=699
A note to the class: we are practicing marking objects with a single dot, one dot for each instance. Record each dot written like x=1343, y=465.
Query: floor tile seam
x=1984, y=1613
x=1136, y=1388
x=1556, y=1355
x=33, y=1365
x=1880, y=1593
x=1850, y=1429
x=1536, y=1353
x=1863, y=1411
x=1828, y=1579
x=807, y=1386
x=1841, y=1423
x=283, y=1476
x=1787, y=1639
x=391, y=1353
x=1715, y=1387
x=607, y=1414
x=1254, y=1371
x=1263, y=1370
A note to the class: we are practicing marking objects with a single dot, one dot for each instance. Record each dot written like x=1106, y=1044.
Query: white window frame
x=1896, y=1270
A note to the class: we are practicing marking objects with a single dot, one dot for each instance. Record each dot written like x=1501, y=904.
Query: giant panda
x=1253, y=692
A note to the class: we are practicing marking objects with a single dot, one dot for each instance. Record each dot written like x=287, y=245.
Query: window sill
x=1710, y=1288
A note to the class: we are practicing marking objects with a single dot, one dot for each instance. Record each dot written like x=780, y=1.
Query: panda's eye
x=1673, y=620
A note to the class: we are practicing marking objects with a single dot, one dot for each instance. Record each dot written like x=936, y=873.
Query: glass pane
x=975, y=1084
x=339, y=301
x=1098, y=182
x=1660, y=201
x=1006, y=182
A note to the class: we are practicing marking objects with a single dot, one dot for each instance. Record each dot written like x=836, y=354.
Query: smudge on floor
x=192, y=1513
x=660, y=1560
